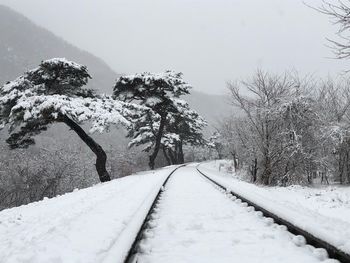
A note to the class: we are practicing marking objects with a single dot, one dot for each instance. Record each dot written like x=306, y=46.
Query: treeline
x=288, y=129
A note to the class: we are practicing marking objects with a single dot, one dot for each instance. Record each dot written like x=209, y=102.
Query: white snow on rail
x=197, y=223
x=323, y=212
x=80, y=227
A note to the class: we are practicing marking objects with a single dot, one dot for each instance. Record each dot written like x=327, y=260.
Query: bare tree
x=334, y=106
x=265, y=90
x=339, y=12
x=277, y=126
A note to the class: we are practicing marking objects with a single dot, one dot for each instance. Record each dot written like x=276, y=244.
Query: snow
x=63, y=61
x=322, y=211
x=198, y=223
x=82, y=226
x=12, y=85
x=169, y=77
x=152, y=101
x=169, y=139
x=102, y=111
x=195, y=221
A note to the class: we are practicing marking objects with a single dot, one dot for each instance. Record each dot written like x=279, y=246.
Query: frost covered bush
x=58, y=164
x=30, y=176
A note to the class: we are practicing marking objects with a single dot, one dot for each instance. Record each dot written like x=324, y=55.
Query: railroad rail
x=134, y=249
x=332, y=251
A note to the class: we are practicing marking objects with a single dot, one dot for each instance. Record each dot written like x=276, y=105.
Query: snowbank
x=82, y=226
x=324, y=212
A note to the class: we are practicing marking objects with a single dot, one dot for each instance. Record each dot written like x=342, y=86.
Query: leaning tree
x=54, y=93
x=155, y=92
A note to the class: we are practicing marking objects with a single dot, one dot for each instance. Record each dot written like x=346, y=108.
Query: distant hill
x=212, y=107
x=23, y=45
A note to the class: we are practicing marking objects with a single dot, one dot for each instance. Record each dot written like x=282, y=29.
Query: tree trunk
x=255, y=169
x=101, y=157
x=235, y=160
x=267, y=172
x=166, y=156
x=219, y=151
x=341, y=166
x=159, y=136
x=172, y=156
x=180, y=158
x=347, y=165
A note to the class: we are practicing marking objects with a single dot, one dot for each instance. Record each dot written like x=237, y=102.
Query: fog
x=211, y=42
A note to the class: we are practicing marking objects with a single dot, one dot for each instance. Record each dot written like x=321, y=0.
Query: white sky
x=211, y=42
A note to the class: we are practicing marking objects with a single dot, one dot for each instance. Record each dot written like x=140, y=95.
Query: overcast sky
x=211, y=42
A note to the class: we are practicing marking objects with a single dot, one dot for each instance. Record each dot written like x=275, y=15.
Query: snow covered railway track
x=332, y=251
x=135, y=248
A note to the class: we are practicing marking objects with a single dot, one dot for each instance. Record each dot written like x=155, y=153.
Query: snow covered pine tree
x=51, y=93
x=184, y=127
x=159, y=93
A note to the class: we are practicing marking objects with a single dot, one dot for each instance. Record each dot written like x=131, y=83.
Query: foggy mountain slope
x=23, y=45
x=212, y=107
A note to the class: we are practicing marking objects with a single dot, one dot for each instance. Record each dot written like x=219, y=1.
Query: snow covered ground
x=85, y=226
x=323, y=211
x=197, y=223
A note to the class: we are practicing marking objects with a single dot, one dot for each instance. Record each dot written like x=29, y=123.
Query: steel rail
x=131, y=256
x=332, y=251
